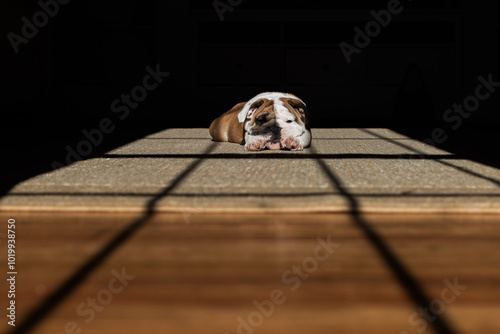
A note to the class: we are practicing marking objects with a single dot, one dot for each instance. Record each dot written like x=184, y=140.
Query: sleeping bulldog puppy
x=269, y=120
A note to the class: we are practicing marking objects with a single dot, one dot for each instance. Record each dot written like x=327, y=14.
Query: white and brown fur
x=269, y=120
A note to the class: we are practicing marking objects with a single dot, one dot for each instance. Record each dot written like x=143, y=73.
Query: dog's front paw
x=255, y=145
x=291, y=143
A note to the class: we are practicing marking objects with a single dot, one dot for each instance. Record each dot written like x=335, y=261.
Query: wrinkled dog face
x=263, y=129
x=275, y=121
x=291, y=117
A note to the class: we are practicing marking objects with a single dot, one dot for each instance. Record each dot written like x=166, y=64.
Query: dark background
x=66, y=77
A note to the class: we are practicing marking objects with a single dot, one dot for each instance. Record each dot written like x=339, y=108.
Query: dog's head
x=273, y=116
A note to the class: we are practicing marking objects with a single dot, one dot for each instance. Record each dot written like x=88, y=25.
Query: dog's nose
x=276, y=130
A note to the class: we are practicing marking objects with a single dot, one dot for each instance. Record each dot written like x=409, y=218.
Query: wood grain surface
x=254, y=273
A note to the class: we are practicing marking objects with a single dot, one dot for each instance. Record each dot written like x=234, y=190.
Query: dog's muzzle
x=274, y=141
x=275, y=133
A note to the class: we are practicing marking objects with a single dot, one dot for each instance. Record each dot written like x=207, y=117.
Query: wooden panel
x=204, y=273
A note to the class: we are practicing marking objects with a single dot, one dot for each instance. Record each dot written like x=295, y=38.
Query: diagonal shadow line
x=410, y=284
x=44, y=308
x=446, y=163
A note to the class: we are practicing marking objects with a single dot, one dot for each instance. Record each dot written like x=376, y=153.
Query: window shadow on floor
x=400, y=272
x=397, y=267
x=477, y=142
x=29, y=152
x=440, y=161
x=54, y=299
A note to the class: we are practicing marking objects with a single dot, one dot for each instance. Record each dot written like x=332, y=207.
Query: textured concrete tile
x=182, y=170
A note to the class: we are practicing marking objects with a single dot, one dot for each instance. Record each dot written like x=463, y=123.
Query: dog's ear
x=298, y=107
x=249, y=109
